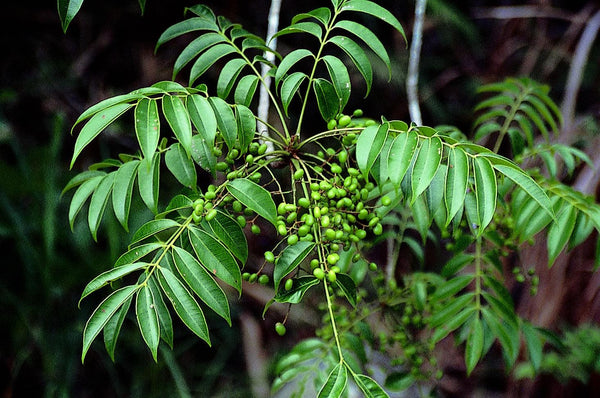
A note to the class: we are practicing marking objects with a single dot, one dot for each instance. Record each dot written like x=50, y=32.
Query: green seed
x=314, y=263
x=291, y=217
x=269, y=257
x=360, y=233
x=241, y=220
x=252, y=278
x=304, y=203
x=357, y=113
x=303, y=230
x=281, y=229
x=237, y=206
x=255, y=229
x=386, y=201
x=335, y=168
x=373, y=266
x=281, y=209
x=221, y=166
x=249, y=159
x=331, y=277
x=197, y=218
x=342, y=157
x=263, y=279
x=378, y=229
x=210, y=195
x=330, y=234
x=325, y=221
x=262, y=149
x=331, y=124
x=333, y=258
x=246, y=276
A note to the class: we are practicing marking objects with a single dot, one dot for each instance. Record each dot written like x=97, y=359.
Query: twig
x=263, y=98
x=576, y=70
x=412, y=79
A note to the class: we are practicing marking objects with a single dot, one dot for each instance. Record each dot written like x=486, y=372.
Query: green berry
x=262, y=149
x=378, y=229
x=298, y=174
x=211, y=214
x=333, y=258
x=386, y=201
x=263, y=279
x=249, y=159
x=357, y=113
x=210, y=195
x=304, y=203
x=372, y=266
x=331, y=277
x=319, y=273
x=314, y=263
x=292, y=239
x=329, y=234
x=221, y=166
x=255, y=229
x=197, y=218
x=241, y=220
x=269, y=257
x=246, y=276
x=331, y=124
x=289, y=284
x=344, y=120
x=237, y=206
x=252, y=278
x=280, y=328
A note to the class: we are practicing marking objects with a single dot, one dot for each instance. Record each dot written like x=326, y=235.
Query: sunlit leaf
x=289, y=61
x=474, y=346
x=400, y=155
x=179, y=120
x=358, y=57
x=148, y=182
x=225, y=120
x=203, y=117
x=229, y=75
x=181, y=166
x=67, y=9
x=98, y=203
x=208, y=58
x=152, y=228
x=426, y=165
x=290, y=259
x=122, y=191
x=147, y=317
x=147, y=126
x=230, y=234
x=369, y=145
x=255, y=197
x=112, y=329
x=336, y=382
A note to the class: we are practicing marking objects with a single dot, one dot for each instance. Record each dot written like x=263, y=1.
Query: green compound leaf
x=152, y=228
x=453, y=323
x=96, y=125
x=215, y=257
x=245, y=90
x=369, y=387
x=164, y=317
x=400, y=155
x=147, y=126
x=148, y=182
x=457, y=177
x=229, y=232
x=289, y=61
x=108, y=103
x=340, y=79
x=177, y=116
x=369, y=145
x=358, y=57
x=485, y=191
x=136, y=253
x=296, y=293
x=226, y=121
x=255, y=197
x=110, y=276
x=202, y=153
x=322, y=14
x=187, y=26
x=112, y=329
x=474, y=347
x=99, y=201
x=203, y=117
x=290, y=87
x=426, y=165
x=208, y=58
x=67, y=9
x=560, y=231
x=102, y=315
x=369, y=38
x=181, y=166
x=184, y=303
x=302, y=27
x=327, y=100
x=201, y=282
x=534, y=345
x=123, y=190
x=246, y=126
x=81, y=195
x=289, y=260
x=147, y=318
x=81, y=178
x=336, y=382
x=347, y=286
x=369, y=7
x=194, y=49
x=229, y=75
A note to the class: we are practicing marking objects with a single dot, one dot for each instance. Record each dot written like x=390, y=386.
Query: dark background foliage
x=47, y=79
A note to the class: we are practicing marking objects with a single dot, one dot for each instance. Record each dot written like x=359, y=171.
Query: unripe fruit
x=255, y=229
x=233, y=154
x=329, y=234
x=262, y=149
x=197, y=218
x=280, y=328
x=372, y=266
x=357, y=113
x=314, y=263
x=290, y=207
x=386, y=201
x=373, y=221
x=252, y=278
x=221, y=166
x=211, y=214
x=319, y=273
x=333, y=258
x=325, y=221
x=335, y=269
x=360, y=234
x=237, y=206
x=246, y=276
x=335, y=168
x=298, y=174
x=342, y=157
x=331, y=277
x=303, y=230
x=331, y=124
x=344, y=120
x=263, y=279
x=378, y=229
x=217, y=151
x=210, y=195
x=249, y=159
x=292, y=239
x=304, y=203
x=291, y=217
x=289, y=284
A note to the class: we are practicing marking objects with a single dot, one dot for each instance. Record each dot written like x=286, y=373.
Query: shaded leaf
x=164, y=317
x=181, y=166
x=81, y=195
x=148, y=182
x=485, y=191
x=335, y=385
x=457, y=177
x=290, y=259
x=147, y=317
x=229, y=75
x=112, y=329
x=194, y=49
x=255, y=197
x=202, y=153
x=474, y=347
x=98, y=202
x=347, y=286
x=179, y=120
x=327, y=99
x=122, y=191
x=289, y=61
x=110, y=276
x=245, y=90
x=560, y=231
x=290, y=87
x=296, y=293
x=340, y=79
x=67, y=9
x=358, y=57
x=230, y=234
x=152, y=228
x=208, y=58
x=225, y=120
x=147, y=126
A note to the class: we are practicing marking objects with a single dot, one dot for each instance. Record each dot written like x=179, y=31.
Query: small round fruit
x=372, y=266
x=386, y=201
x=378, y=229
x=319, y=273
x=304, y=202
x=281, y=229
x=263, y=279
x=331, y=124
x=335, y=269
x=252, y=278
x=269, y=257
x=246, y=276
x=314, y=263
x=262, y=149
x=333, y=258
x=289, y=284
x=211, y=215
x=280, y=328
x=331, y=277
x=298, y=174
x=344, y=120
x=210, y=195
x=357, y=113
x=255, y=229
x=292, y=239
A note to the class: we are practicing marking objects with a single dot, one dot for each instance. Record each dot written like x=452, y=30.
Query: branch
x=263, y=99
x=412, y=79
